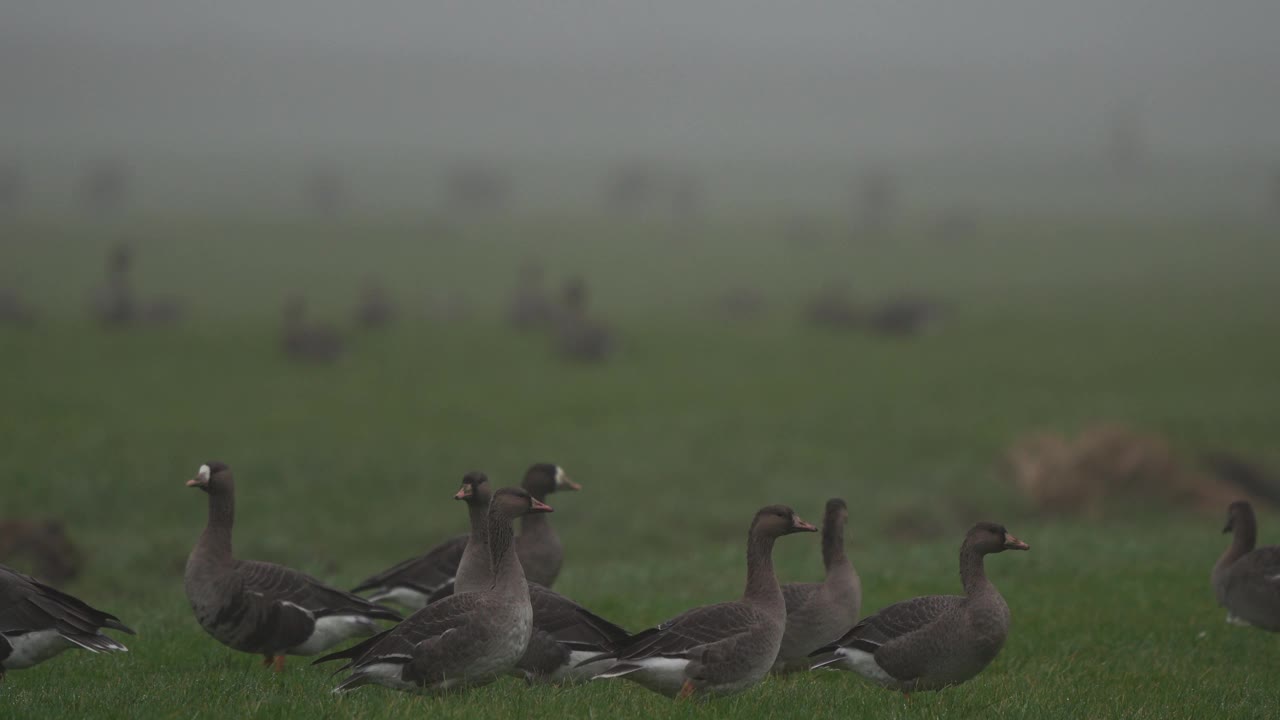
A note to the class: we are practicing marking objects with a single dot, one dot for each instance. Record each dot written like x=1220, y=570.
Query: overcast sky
x=651, y=74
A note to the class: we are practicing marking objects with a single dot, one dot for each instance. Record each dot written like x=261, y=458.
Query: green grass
x=343, y=470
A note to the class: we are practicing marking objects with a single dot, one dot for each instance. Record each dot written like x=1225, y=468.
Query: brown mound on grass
x=40, y=547
x=1108, y=465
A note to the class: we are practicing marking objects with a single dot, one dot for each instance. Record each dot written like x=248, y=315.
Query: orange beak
x=1013, y=543
x=537, y=506
x=194, y=482
x=801, y=526
x=463, y=493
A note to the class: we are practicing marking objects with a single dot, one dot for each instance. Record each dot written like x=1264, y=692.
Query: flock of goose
x=484, y=608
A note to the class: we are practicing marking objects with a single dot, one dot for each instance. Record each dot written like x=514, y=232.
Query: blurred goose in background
x=934, y=641
x=307, y=342
x=578, y=336
x=260, y=607
x=818, y=613
x=464, y=640
x=38, y=622
x=1247, y=580
x=541, y=553
x=564, y=634
x=375, y=308
x=717, y=649
x=530, y=305
x=40, y=546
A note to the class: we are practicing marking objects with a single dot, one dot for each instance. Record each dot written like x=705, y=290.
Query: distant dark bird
x=376, y=308
x=903, y=316
x=530, y=304
x=465, y=640
x=38, y=622
x=41, y=546
x=578, y=336
x=260, y=607
x=934, y=641
x=114, y=304
x=718, y=649
x=833, y=306
x=1246, y=579
x=13, y=311
x=306, y=342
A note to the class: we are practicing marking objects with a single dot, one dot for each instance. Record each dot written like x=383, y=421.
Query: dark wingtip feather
x=825, y=649
x=115, y=624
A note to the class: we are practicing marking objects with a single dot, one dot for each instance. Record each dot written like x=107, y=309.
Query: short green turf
x=698, y=421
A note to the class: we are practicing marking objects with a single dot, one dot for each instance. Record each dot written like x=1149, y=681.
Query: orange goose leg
x=686, y=690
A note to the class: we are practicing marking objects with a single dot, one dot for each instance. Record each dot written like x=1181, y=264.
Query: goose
x=1247, y=580
x=934, y=641
x=717, y=649
x=818, y=613
x=418, y=581
x=565, y=634
x=38, y=622
x=539, y=548
x=260, y=607
x=465, y=640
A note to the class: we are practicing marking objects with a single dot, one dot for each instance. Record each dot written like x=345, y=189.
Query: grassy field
x=343, y=470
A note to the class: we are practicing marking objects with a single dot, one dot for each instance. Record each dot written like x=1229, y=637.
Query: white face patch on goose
x=560, y=477
x=203, y=473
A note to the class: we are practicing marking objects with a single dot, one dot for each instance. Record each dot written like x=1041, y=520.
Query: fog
x=203, y=91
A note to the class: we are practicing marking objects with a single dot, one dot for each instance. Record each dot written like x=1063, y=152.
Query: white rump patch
x=660, y=674
x=864, y=663
x=388, y=675
x=203, y=473
x=332, y=630
x=407, y=597
x=35, y=647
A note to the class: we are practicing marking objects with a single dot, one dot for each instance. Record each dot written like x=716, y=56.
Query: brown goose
x=420, y=580
x=260, y=607
x=1247, y=580
x=38, y=622
x=538, y=546
x=817, y=613
x=718, y=649
x=464, y=640
x=564, y=634
x=934, y=641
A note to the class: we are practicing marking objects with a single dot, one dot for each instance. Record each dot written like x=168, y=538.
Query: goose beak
x=537, y=506
x=463, y=493
x=798, y=525
x=1013, y=543
x=563, y=482
x=194, y=482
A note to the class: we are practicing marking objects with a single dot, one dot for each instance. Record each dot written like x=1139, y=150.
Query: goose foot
x=275, y=662
x=686, y=690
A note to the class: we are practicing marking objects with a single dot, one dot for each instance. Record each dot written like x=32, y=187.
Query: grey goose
x=38, y=622
x=464, y=640
x=418, y=581
x=818, y=613
x=1246, y=579
x=565, y=634
x=934, y=641
x=260, y=607
x=539, y=548
x=717, y=649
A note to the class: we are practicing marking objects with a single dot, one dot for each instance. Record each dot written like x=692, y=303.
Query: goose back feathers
x=818, y=613
x=38, y=622
x=718, y=649
x=1246, y=579
x=464, y=640
x=260, y=607
x=931, y=642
